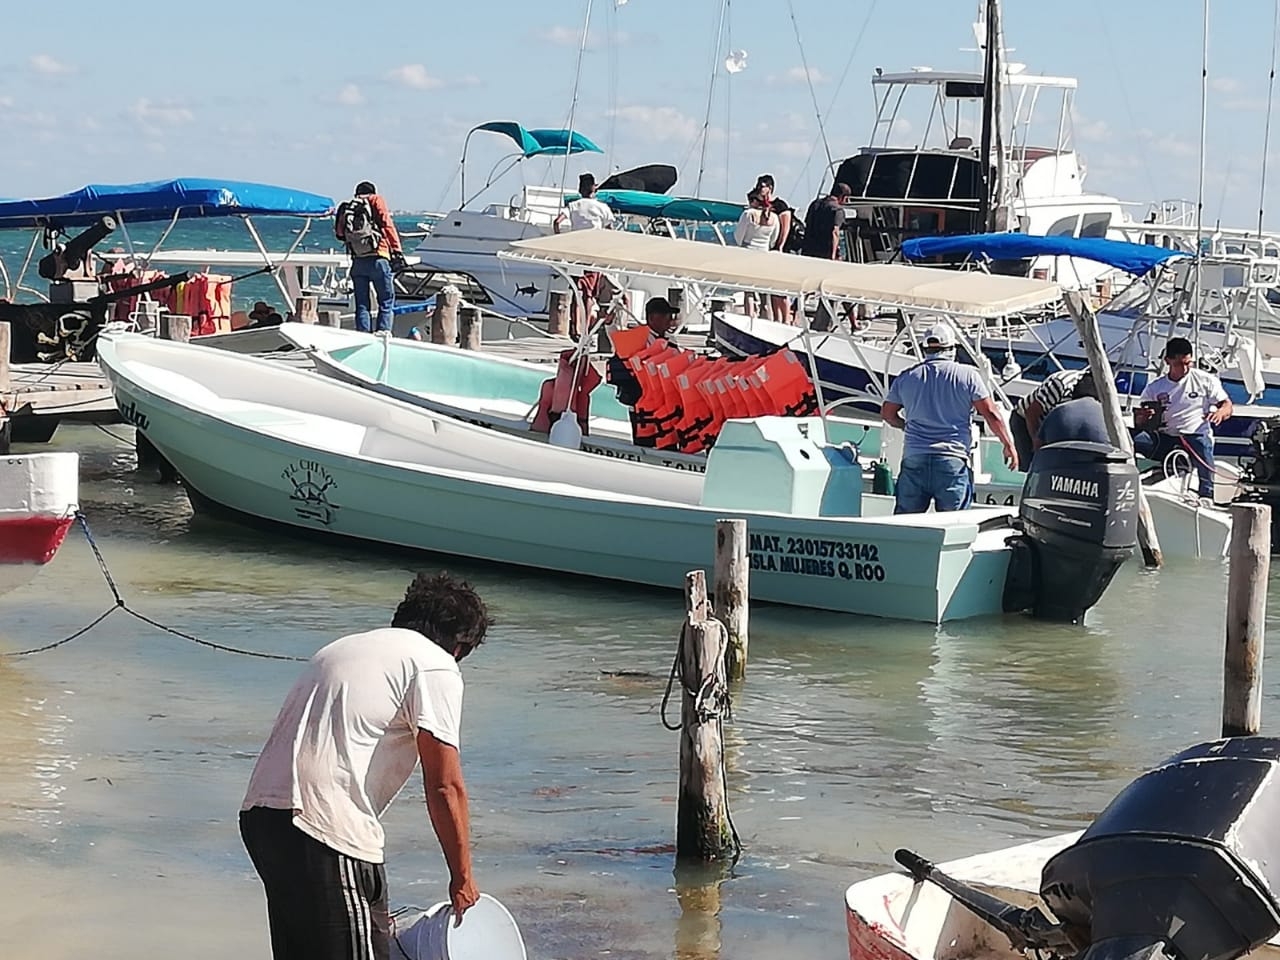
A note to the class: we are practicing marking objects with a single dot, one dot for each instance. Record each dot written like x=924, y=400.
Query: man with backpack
x=364, y=224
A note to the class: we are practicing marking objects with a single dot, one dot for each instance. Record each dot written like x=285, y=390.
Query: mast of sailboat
x=1204, y=120
x=992, y=75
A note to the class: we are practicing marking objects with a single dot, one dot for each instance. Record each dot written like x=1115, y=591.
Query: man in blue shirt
x=939, y=396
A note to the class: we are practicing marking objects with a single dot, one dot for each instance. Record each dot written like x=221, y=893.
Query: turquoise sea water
x=124, y=755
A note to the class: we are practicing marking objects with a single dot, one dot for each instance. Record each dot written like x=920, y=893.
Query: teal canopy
x=538, y=143
x=641, y=204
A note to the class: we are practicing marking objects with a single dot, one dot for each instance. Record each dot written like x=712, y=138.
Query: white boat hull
x=39, y=497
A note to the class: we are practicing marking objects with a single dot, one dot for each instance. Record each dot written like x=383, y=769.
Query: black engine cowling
x=1185, y=860
x=1079, y=521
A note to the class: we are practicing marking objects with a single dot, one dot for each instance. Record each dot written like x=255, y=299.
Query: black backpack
x=361, y=230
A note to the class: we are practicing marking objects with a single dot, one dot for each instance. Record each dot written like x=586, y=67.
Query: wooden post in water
x=1250, y=558
x=5, y=354
x=470, y=325
x=175, y=327
x=1104, y=380
x=730, y=575
x=558, y=313
x=702, y=813
x=444, y=321
x=306, y=310
x=329, y=318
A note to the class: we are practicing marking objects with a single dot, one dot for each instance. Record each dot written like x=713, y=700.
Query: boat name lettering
x=130, y=413
x=636, y=458
x=1074, y=486
x=311, y=484
x=815, y=557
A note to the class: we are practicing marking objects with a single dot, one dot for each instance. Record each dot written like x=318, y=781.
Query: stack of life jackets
x=685, y=398
x=120, y=276
x=205, y=298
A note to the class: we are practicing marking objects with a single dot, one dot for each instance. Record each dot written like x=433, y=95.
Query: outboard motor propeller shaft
x=1079, y=521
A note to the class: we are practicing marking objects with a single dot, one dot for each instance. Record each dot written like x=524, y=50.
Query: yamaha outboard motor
x=1079, y=522
x=1182, y=865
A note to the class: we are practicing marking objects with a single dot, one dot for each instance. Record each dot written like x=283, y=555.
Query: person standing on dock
x=585, y=213
x=365, y=225
x=939, y=396
x=1179, y=412
x=366, y=709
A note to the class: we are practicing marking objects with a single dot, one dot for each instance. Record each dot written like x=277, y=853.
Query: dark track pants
x=321, y=904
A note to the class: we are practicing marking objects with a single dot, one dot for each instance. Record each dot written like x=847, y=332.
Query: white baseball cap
x=940, y=335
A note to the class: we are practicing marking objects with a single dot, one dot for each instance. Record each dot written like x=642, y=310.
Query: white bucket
x=487, y=932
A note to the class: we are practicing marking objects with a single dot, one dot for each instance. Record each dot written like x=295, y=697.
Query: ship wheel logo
x=311, y=487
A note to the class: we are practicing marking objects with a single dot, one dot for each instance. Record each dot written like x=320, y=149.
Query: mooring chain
x=121, y=605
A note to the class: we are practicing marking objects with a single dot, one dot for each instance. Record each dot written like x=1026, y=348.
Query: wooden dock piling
x=6, y=381
x=470, y=325
x=702, y=814
x=730, y=583
x=1250, y=558
x=329, y=318
x=1087, y=326
x=444, y=320
x=175, y=327
x=558, y=313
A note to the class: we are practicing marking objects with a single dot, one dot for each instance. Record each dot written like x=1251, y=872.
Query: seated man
x=660, y=318
x=1077, y=418
x=1180, y=411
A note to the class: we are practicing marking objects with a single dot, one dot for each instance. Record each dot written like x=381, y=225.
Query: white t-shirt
x=753, y=235
x=588, y=213
x=346, y=740
x=1187, y=402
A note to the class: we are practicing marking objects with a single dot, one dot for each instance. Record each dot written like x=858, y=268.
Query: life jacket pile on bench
x=685, y=397
x=204, y=297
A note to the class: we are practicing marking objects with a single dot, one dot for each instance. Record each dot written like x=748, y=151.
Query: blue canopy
x=160, y=200
x=1135, y=258
x=642, y=204
x=537, y=143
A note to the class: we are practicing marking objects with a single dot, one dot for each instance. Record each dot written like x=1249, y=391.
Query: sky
x=334, y=93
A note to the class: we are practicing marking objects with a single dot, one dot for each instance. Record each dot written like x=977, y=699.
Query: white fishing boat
x=39, y=497
x=1180, y=864
x=269, y=443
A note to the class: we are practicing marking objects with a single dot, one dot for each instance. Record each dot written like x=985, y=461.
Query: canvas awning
x=967, y=294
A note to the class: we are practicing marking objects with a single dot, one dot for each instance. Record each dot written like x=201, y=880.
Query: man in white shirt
x=1179, y=412
x=366, y=709
x=585, y=213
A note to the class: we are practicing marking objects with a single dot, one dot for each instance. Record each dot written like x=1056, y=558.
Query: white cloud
x=562, y=36
x=661, y=124
x=415, y=75
x=43, y=63
x=798, y=75
x=6, y=103
x=1095, y=131
x=1224, y=84
x=350, y=96
x=163, y=113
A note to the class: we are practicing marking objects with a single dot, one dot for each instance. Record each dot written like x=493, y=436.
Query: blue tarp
x=158, y=200
x=1135, y=258
x=642, y=204
x=537, y=143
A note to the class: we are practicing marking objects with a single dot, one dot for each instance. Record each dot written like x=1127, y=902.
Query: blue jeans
x=376, y=271
x=924, y=478
x=1157, y=446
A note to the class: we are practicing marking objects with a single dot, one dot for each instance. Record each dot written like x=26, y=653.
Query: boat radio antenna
x=1266, y=130
x=573, y=103
x=808, y=79
x=1204, y=117
x=711, y=92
